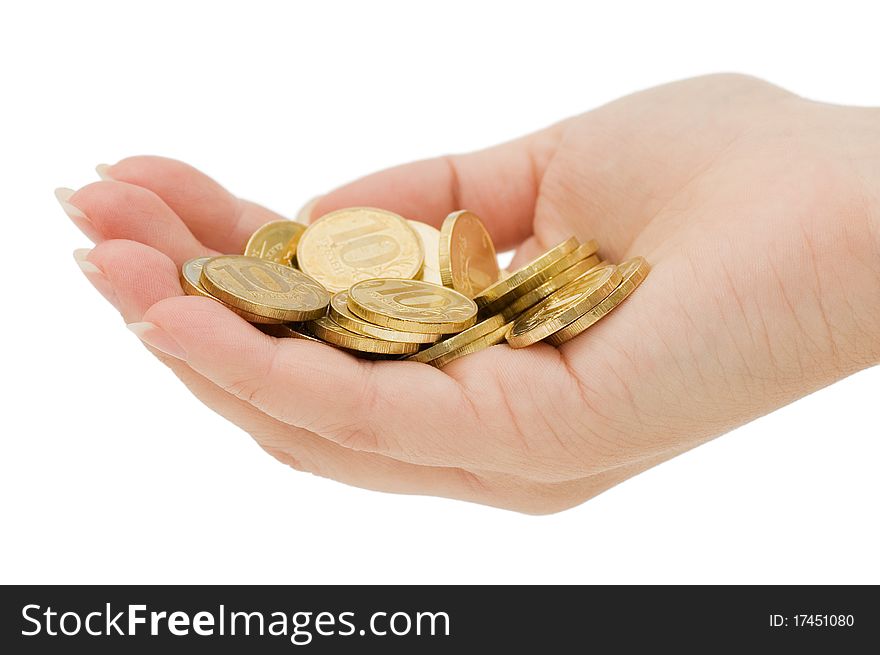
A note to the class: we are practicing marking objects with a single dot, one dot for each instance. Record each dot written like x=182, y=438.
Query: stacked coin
x=379, y=286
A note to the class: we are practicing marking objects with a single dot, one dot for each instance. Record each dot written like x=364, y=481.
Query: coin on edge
x=503, y=287
x=190, y=274
x=555, y=283
x=530, y=277
x=273, y=241
x=328, y=330
x=492, y=339
x=468, y=262
x=633, y=272
x=412, y=306
x=430, y=237
x=344, y=317
x=459, y=340
x=289, y=331
x=264, y=288
x=563, y=307
x=359, y=243
x=300, y=331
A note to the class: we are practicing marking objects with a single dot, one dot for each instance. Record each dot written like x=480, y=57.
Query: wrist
x=862, y=227
x=871, y=217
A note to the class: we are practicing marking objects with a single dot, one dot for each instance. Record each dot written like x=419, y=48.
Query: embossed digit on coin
x=468, y=262
x=190, y=280
x=359, y=243
x=412, y=305
x=264, y=288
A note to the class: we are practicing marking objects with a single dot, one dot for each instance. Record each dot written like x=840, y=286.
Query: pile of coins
x=380, y=286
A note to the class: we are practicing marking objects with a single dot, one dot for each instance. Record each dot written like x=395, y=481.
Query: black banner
x=111, y=619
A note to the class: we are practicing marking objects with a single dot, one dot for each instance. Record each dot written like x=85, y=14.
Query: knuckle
x=358, y=436
x=251, y=389
x=736, y=82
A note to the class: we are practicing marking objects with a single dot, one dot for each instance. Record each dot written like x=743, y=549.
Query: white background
x=111, y=472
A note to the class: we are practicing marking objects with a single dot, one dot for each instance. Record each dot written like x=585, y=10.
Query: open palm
x=757, y=210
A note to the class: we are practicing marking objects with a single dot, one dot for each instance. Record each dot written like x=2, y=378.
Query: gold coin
x=492, y=339
x=289, y=331
x=503, y=287
x=632, y=272
x=412, y=306
x=563, y=307
x=300, y=331
x=289, y=255
x=459, y=340
x=555, y=283
x=275, y=241
x=430, y=237
x=344, y=317
x=349, y=245
x=190, y=274
x=468, y=262
x=264, y=288
x=533, y=275
x=331, y=332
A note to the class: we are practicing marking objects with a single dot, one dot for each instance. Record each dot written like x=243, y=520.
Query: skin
x=758, y=210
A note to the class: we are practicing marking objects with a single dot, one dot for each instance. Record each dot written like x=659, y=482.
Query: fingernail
x=305, y=214
x=154, y=336
x=75, y=214
x=103, y=171
x=96, y=276
x=81, y=257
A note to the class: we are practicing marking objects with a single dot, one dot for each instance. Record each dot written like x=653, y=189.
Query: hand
x=757, y=209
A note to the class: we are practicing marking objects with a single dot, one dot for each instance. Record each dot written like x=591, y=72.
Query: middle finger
x=117, y=210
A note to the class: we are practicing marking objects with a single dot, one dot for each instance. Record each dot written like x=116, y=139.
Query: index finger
x=217, y=218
